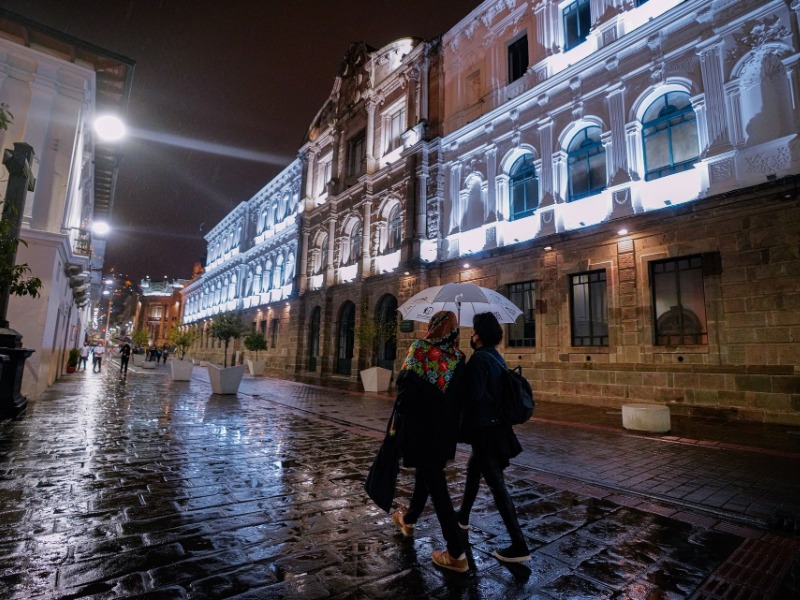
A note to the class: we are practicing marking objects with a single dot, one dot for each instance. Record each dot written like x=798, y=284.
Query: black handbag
x=382, y=477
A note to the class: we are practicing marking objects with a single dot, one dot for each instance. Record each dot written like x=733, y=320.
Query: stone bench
x=646, y=417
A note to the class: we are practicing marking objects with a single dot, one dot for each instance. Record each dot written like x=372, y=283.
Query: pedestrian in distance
x=427, y=405
x=84, y=355
x=97, y=364
x=493, y=440
x=164, y=354
x=124, y=356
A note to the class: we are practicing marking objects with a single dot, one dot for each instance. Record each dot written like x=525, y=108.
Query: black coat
x=429, y=419
x=481, y=425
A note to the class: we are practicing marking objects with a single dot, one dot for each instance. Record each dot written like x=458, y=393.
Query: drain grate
x=755, y=570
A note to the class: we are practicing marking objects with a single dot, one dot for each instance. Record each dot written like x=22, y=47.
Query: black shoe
x=512, y=554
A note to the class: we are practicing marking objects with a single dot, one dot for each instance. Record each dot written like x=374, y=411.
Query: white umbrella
x=464, y=299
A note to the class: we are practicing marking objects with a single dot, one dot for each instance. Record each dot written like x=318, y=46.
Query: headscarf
x=435, y=358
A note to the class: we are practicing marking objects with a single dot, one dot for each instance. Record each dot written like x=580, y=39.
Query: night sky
x=223, y=93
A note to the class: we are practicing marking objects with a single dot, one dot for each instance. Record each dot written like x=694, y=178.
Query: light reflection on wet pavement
x=144, y=487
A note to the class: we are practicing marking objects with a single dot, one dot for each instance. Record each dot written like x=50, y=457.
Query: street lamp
x=108, y=292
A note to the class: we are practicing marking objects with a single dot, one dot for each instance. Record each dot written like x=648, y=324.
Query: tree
x=14, y=278
x=226, y=327
x=369, y=331
x=255, y=342
x=139, y=338
x=182, y=340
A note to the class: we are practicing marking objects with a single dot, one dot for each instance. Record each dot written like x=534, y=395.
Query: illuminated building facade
x=159, y=309
x=624, y=170
x=251, y=266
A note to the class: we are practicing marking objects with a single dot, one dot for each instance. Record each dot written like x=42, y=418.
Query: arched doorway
x=345, y=338
x=386, y=316
x=313, y=339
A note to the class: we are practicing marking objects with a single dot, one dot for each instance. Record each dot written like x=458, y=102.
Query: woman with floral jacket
x=428, y=407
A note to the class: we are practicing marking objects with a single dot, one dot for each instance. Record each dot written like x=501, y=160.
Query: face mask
x=472, y=344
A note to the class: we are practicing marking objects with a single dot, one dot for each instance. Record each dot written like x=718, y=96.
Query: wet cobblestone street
x=141, y=487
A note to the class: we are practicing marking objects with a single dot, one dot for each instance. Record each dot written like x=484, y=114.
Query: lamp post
x=109, y=293
x=20, y=182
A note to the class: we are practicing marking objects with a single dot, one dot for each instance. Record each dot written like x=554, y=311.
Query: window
x=524, y=187
x=313, y=339
x=156, y=311
x=679, y=311
x=394, y=231
x=357, y=155
x=273, y=330
x=586, y=164
x=262, y=327
x=589, y=309
x=345, y=338
x=640, y=2
x=355, y=244
x=395, y=126
x=523, y=331
x=577, y=21
x=387, y=331
x=517, y=58
x=669, y=134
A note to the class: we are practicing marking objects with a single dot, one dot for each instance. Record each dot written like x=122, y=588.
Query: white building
x=251, y=260
x=55, y=85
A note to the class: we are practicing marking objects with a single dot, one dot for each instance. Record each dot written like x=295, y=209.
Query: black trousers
x=123, y=363
x=432, y=482
x=492, y=470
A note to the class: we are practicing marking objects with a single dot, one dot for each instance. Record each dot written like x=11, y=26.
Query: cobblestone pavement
x=140, y=487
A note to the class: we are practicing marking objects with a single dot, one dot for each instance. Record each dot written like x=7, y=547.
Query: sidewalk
x=141, y=487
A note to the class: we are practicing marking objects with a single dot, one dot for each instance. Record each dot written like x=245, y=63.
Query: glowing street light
x=100, y=227
x=109, y=128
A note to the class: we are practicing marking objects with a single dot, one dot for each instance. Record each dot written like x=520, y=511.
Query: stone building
x=55, y=85
x=624, y=170
x=159, y=309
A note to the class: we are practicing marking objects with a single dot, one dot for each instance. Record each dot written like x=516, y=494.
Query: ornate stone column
x=717, y=117
x=366, y=236
x=372, y=164
x=618, y=157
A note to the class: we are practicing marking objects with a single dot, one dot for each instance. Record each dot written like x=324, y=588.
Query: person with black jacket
x=493, y=440
x=428, y=406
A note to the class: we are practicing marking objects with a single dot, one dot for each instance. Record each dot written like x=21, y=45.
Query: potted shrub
x=366, y=334
x=72, y=360
x=224, y=379
x=182, y=340
x=139, y=340
x=255, y=342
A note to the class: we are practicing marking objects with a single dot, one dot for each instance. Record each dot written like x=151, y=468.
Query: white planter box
x=225, y=381
x=376, y=379
x=181, y=369
x=149, y=364
x=256, y=367
x=138, y=360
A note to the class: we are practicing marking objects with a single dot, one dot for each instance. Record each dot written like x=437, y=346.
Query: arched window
x=394, y=232
x=524, y=187
x=669, y=134
x=345, y=338
x=355, y=244
x=313, y=339
x=586, y=164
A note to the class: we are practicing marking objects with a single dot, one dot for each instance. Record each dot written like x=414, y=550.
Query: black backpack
x=516, y=404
